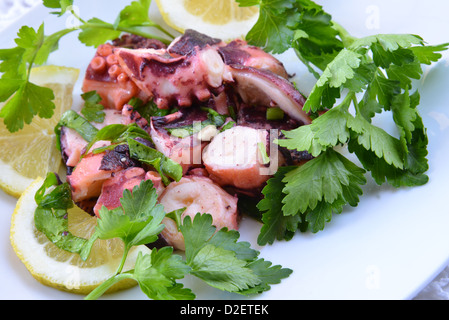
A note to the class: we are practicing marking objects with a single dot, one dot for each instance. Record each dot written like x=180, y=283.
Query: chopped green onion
x=263, y=152
x=275, y=114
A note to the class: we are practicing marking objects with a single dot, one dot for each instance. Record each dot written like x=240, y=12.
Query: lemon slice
x=222, y=19
x=31, y=152
x=60, y=269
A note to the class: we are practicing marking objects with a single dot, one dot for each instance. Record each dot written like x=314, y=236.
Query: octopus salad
x=217, y=109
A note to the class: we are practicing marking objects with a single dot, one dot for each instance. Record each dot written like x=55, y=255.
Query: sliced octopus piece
x=113, y=188
x=238, y=52
x=105, y=76
x=263, y=87
x=130, y=115
x=255, y=117
x=73, y=144
x=197, y=195
x=234, y=158
x=184, y=150
x=88, y=176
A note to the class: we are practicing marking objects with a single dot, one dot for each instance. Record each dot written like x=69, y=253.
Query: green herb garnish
x=213, y=256
x=213, y=119
x=24, y=100
x=357, y=78
x=92, y=110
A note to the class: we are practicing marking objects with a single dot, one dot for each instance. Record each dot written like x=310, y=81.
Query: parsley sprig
x=357, y=79
x=23, y=99
x=214, y=256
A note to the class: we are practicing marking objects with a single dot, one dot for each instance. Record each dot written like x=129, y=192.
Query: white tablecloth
x=10, y=10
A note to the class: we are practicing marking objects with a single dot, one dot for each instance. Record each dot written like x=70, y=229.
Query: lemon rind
x=49, y=272
x=181, y=22
x=13, y=182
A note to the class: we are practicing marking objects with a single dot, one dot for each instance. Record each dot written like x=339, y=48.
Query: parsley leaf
x=373, y=75
x=165, y=166
x=24, y=100
x=92, y=110
x=136, y=222
x=53, y=199
x=316, y=41
x=377, y=140
x=299, y=24
x=272, y=29
x=215, y=256
x=71, y=119
x=58, y=4
x=29, y=100
x=276, y=225
x=325, y=177
x=157, y=274
x=132, y=19
x=96, y=32
x=223, y=262
x=135, y=14
x=326, y=131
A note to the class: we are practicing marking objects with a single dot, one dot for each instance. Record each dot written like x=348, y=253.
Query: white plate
x=389, y=247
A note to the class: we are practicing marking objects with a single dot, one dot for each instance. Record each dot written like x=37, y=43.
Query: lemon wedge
x=32, y=152
x=60, y=269
x=223, y=19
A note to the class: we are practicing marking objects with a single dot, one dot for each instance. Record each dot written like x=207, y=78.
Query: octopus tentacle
x=178, y=80
x=238, y=52
x=105, y=76
x=193, y=69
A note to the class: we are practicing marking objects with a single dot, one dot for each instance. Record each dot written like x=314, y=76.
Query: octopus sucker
x=105, y=76
x=192, y=69
x=178, y=80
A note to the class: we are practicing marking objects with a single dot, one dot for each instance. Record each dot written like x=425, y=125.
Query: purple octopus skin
x=240, y=53
x=186, y=151
x=117, y=159
x=256, y=117
x=190, y=41
x=235, y=52
x=132, y=41
x=196, y=67
x=175, y=80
